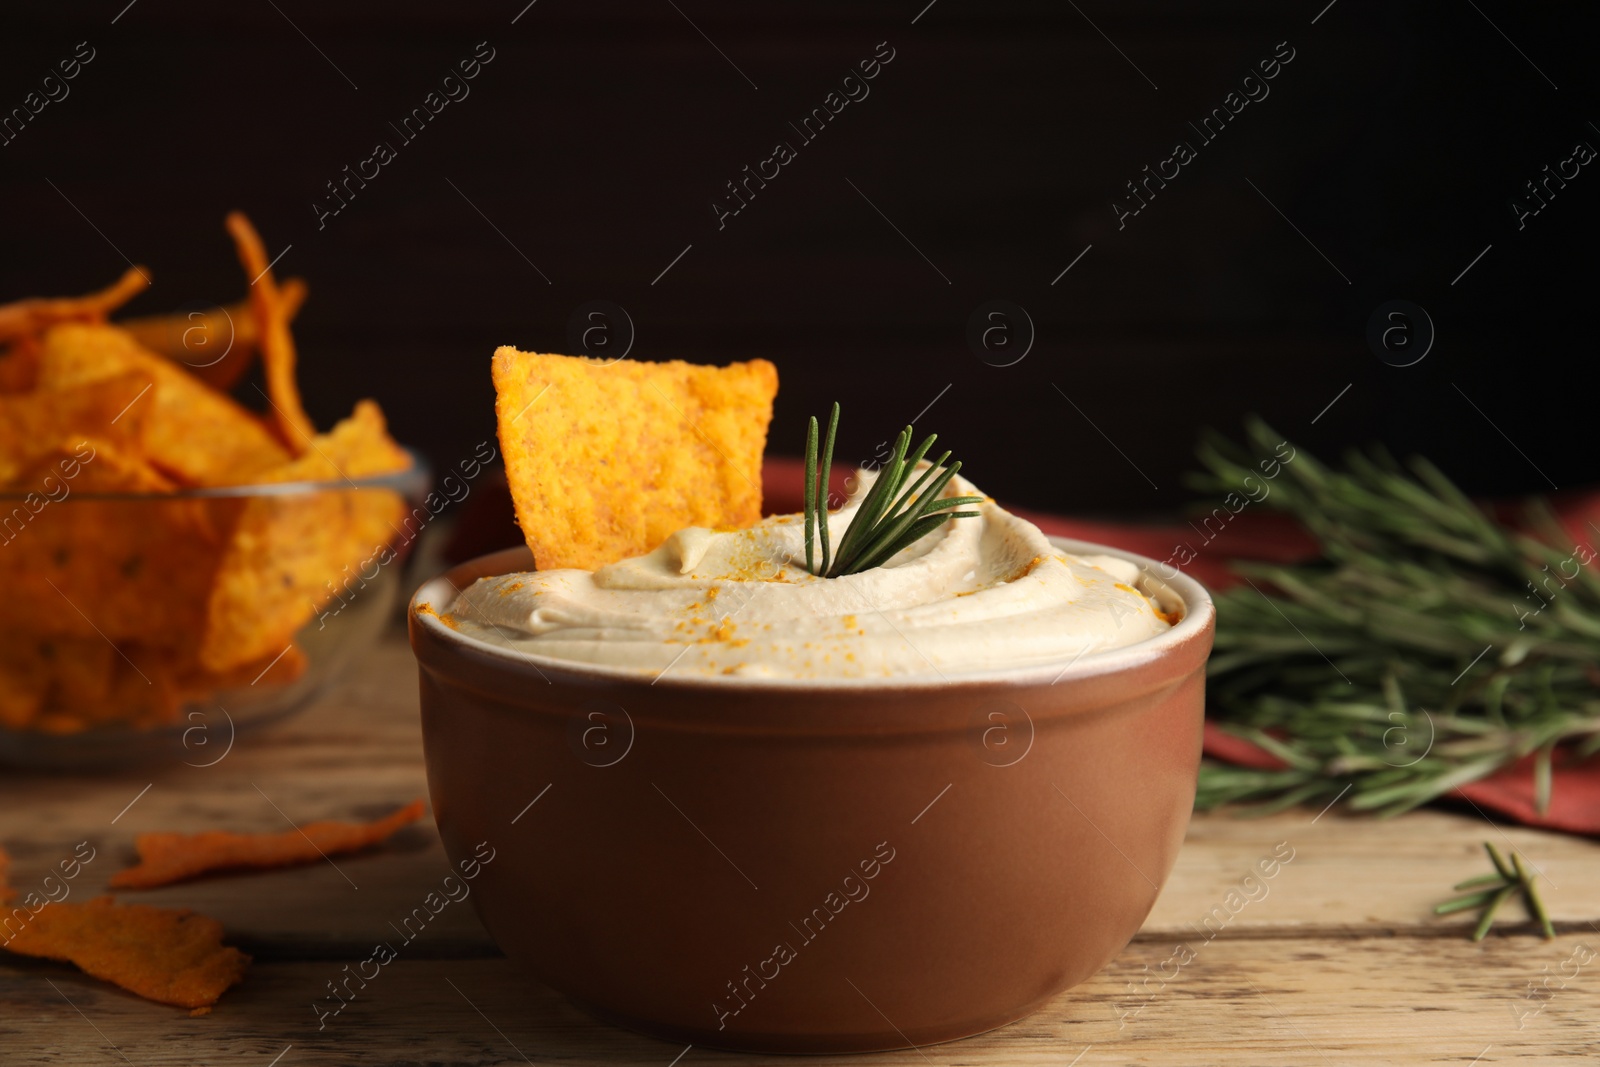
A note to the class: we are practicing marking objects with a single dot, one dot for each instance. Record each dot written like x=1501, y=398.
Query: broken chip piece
x=169, y=955
x=165, y=858
x=606, y=459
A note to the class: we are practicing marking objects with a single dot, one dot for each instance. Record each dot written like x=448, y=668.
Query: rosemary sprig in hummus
x=885, y=523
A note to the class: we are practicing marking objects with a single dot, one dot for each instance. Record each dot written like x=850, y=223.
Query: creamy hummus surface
x=978, y=593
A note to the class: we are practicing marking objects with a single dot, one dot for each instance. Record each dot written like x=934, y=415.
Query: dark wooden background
x=995, y=140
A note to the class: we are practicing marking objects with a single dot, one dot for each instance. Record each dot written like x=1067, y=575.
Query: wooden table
x=1338, y=960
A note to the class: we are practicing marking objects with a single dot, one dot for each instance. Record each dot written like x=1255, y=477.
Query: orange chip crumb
x=169, y=955
x=168, y=857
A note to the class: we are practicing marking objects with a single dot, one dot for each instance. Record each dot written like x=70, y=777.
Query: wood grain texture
x=1357, y=876
x=1335, y=958
x=1291, y=1002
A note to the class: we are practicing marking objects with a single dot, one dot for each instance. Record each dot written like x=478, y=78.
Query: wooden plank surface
x=1336, y=959
x=1294, y=1002
x=1355, y=875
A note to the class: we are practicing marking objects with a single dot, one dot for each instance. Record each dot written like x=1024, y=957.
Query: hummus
x=981, y=593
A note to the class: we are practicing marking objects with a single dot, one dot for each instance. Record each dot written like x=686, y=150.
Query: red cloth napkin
x=1274, y=537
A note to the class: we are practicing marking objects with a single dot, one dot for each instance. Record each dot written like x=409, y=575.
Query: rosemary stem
x=1530, y=896
x=1505, y=869
x=1488, y=912
x=825, y=492
x=811, y=495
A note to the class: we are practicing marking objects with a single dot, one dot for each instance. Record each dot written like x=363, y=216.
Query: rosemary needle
x=1476, y=900
x=1478, y=882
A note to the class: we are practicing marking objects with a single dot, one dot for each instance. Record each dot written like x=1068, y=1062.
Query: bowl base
x=804, y=1044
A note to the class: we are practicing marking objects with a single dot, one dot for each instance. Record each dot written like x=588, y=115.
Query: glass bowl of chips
x=177, y=562
x=140, y=627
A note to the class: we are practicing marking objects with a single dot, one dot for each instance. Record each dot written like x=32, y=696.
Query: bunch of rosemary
x=1427, y=647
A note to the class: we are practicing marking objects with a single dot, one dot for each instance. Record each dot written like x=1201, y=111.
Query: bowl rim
x=1199, y=616
x=412, y=481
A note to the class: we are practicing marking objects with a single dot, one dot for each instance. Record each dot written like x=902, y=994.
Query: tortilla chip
x=95, y=683
x=26, y=317
x=119, y=570
x=6, y=891
x=22, y=322
x=167, y=681
x=83, y=671
x=66, y=685
x=19, y=366
x=277, y=343
x=165, y=858
x=76, y=682
x=284, y=666
x=34, y=424
x=200, y=436
x=218, y=345
x=101, y=466
x=174, y=679
x=289, y=555
x=23, y=684
x=169, y=955
x=357, y=447
x=605, y=461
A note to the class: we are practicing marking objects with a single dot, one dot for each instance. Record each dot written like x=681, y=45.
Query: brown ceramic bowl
x=785, y=866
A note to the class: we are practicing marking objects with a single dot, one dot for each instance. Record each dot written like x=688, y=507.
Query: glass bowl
x=145, y=627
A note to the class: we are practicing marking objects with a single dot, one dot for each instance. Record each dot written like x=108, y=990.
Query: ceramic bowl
x=802, y=866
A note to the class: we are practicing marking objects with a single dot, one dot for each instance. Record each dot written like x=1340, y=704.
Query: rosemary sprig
x=1428, y=647
x=1492, y=890
x=884, y=523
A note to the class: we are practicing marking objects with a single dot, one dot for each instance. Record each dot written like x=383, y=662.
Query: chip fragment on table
x=170, y=955
x=165, y=858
